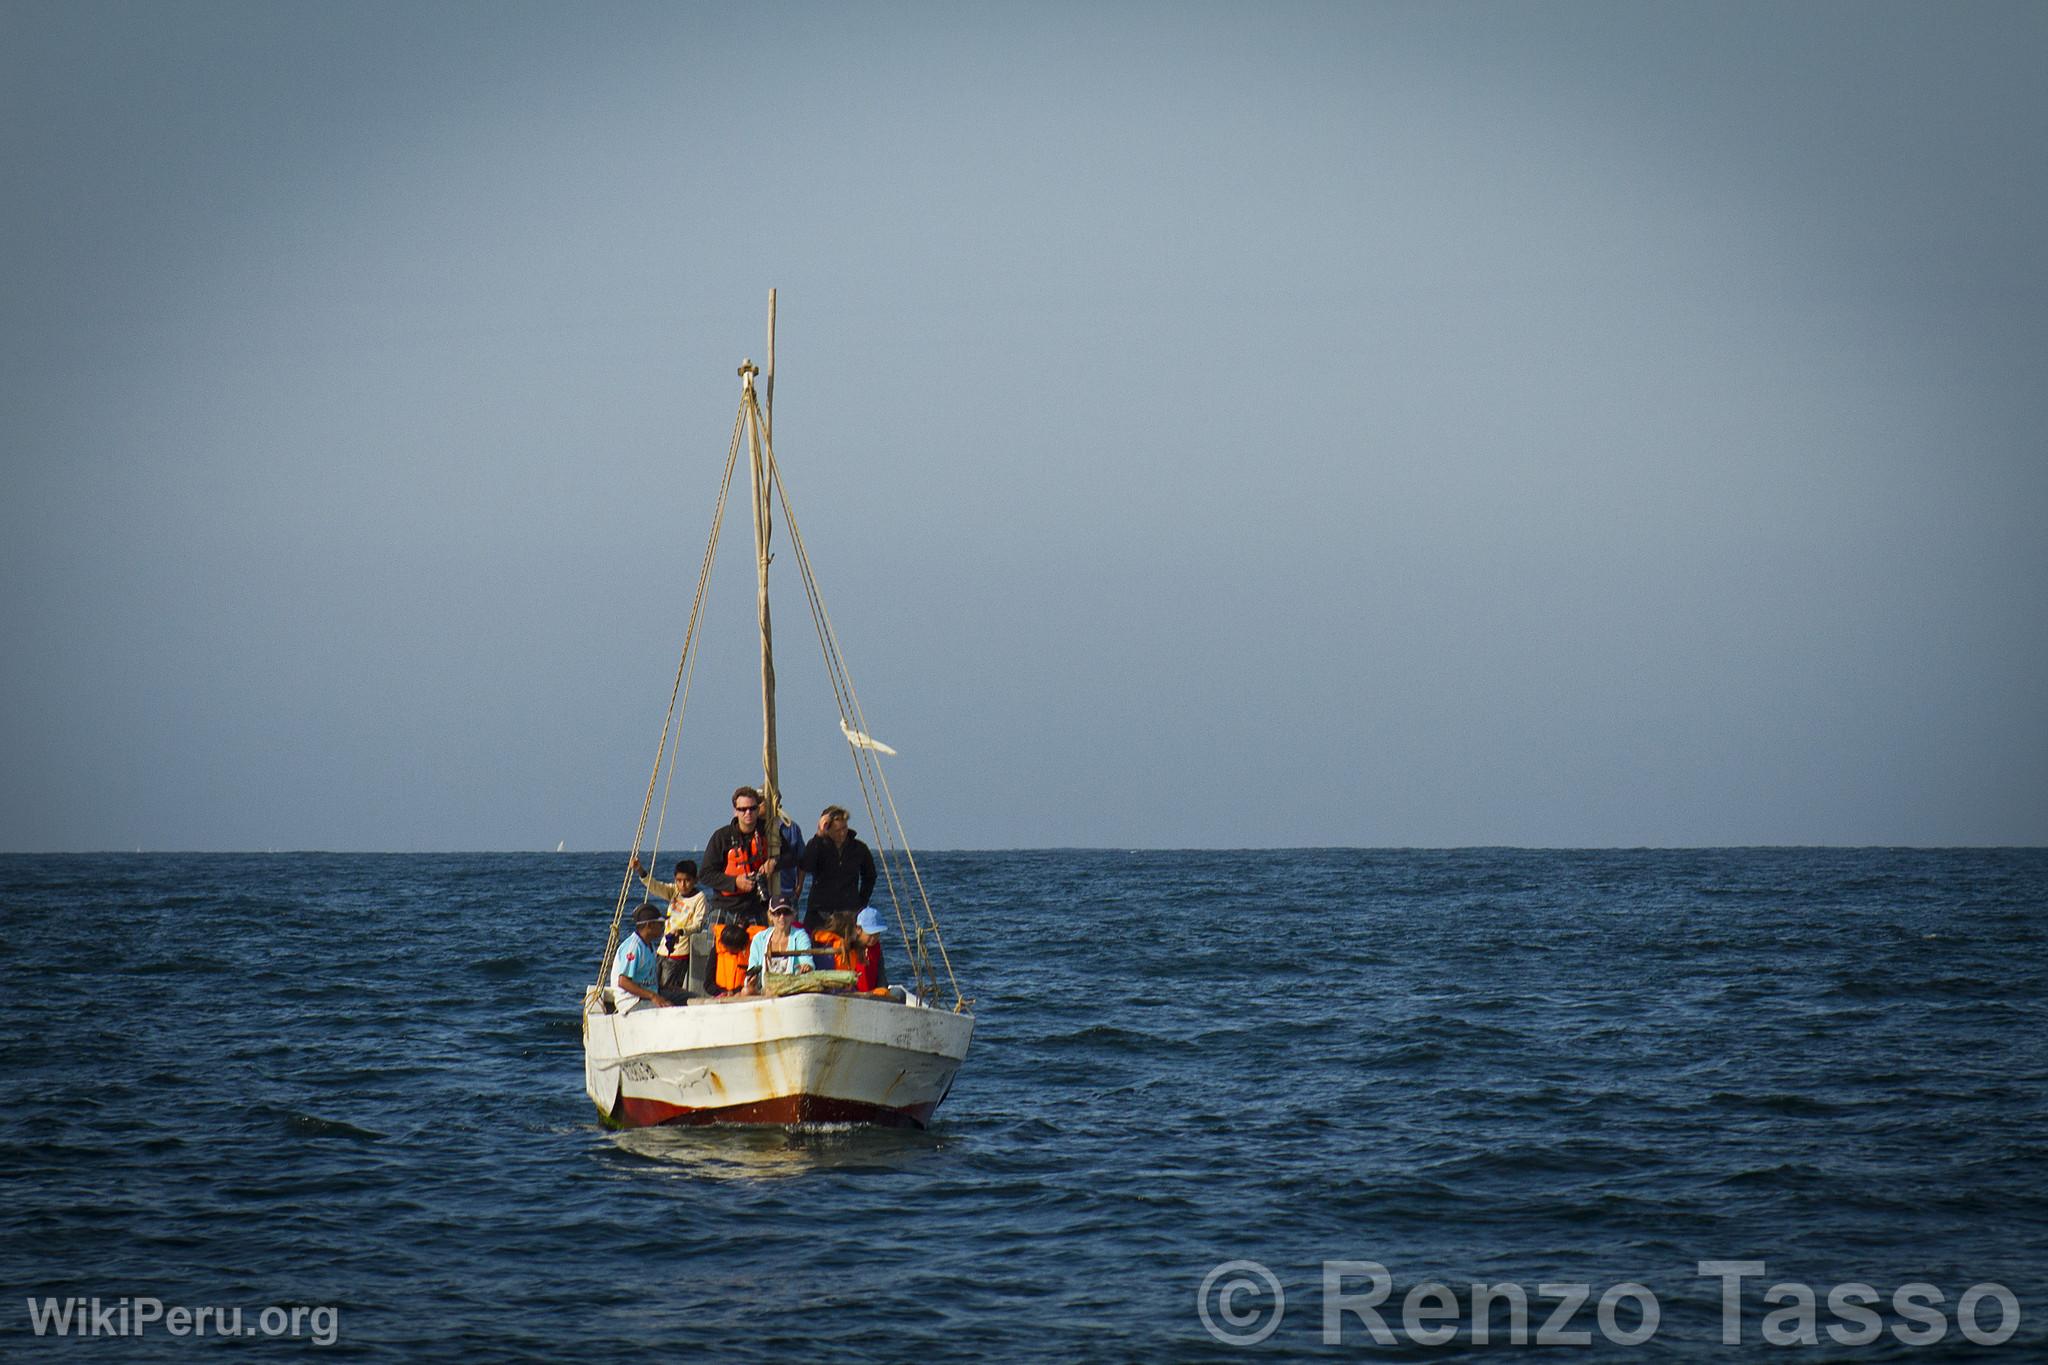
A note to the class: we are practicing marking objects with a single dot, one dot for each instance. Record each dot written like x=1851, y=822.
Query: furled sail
x=863, y=741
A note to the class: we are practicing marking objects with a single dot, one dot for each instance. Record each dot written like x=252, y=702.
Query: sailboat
x=795, y=1054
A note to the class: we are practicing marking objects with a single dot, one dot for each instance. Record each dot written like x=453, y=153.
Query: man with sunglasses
x=736, y=866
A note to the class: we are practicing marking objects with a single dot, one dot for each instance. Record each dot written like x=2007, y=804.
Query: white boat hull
x=773, y=1060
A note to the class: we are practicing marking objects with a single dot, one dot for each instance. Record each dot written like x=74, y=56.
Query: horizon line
x=1034, y=848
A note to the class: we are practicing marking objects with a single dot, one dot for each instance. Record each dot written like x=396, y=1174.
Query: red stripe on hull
x=783, y=1111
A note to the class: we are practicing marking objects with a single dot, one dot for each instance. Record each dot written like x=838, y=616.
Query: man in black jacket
x=840, y=868
x=736, y=865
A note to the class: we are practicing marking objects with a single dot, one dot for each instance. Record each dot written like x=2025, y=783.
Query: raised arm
x=663, y=890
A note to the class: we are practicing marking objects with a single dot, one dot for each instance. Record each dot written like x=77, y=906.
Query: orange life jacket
x=730, y=972
x=842, y=960
x=745, y=859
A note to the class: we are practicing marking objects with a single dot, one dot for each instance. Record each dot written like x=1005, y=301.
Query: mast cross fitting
x=747, y=372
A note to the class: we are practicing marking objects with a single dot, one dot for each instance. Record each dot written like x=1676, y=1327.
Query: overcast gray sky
x=1213, y=425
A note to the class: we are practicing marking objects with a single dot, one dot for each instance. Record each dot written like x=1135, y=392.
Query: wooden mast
x=760, y=424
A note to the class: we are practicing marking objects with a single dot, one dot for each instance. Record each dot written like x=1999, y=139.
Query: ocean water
x=352, y=1085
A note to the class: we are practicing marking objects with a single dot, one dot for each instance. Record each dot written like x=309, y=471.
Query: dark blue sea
x=350, y=1085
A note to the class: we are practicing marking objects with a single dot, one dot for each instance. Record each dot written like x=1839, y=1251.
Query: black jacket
x=842, y=876
x=712, y=871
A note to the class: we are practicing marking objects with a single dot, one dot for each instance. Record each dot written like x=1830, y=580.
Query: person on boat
x=784, y=935
x=683, y=887
x=685, y=948
x=736, y=863
x=729, y=976
x=635, y=970
x=844, y=936
x=836, y=937
x=867, y=950
x=789, y=862
x=841, y=869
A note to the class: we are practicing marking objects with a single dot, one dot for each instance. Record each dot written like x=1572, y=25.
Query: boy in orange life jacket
x=732, y=960
x=737, y=865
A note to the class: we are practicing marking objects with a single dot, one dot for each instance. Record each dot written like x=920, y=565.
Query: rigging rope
x=678, y=700
x=889, y=832
x=920, y=931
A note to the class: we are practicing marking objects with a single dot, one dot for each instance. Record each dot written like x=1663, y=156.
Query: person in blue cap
x=867, y=950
